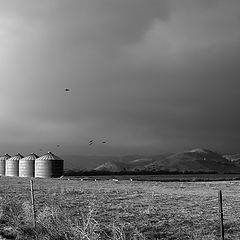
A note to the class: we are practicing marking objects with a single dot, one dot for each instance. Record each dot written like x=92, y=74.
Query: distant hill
x=84, y=162
x=233, y=157
x=118, y=166
x=194, y=160
x=130, y=163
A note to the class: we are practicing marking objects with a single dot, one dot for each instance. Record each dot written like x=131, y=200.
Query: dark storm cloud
x=145, y=75
x=98, y=22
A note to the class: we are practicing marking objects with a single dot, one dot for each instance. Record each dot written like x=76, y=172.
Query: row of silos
x=46, y=166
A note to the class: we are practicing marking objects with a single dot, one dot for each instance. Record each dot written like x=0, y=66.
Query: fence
x=153, y=209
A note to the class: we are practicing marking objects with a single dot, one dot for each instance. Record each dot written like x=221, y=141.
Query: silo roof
x=5, y=157
x=30, y=157
x=49, y=156
x=17, y=157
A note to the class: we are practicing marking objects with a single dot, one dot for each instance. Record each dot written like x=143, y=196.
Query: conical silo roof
x=5, y=157
x=49, y=156
x=17, y=157
x=30, y=157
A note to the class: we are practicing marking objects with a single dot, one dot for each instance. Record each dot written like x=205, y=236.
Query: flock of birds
x=90, y=143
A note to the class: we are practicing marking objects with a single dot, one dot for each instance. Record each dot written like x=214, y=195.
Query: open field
x=105, y=209
x=163, y=177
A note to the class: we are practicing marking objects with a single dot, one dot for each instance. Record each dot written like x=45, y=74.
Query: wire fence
x=158, y=210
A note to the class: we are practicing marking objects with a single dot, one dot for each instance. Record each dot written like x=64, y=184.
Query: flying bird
x=67, y=89
x=90, y=142
x=58, y=145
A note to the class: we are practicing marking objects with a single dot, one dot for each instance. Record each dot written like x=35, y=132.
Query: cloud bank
x=146, y=76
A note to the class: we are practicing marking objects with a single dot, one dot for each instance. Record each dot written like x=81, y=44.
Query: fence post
x=33, y=204
x=220, y=214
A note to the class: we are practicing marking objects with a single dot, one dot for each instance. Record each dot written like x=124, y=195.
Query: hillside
x=194, y=160
x=130, y=163
x=118, y=166
x=84, y=162
x=233, y=157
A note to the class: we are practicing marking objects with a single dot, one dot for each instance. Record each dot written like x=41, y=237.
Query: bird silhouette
x=90, y=142
x=67, y=89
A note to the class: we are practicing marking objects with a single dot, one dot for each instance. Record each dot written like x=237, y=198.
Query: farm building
x=27, y=165
x=12, y=165
x=3, y=163
x=48, y=165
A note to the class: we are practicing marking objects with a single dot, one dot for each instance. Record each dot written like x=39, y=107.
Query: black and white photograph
x=119, y=119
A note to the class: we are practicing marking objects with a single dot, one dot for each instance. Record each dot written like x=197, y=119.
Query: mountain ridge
x=194, y=160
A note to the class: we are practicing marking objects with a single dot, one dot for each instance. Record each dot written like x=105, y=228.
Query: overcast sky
x=145, y=76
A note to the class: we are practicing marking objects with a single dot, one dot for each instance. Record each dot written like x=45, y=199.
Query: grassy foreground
x=117, y=210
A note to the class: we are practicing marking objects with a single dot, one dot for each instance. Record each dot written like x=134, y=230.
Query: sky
x=146, y=77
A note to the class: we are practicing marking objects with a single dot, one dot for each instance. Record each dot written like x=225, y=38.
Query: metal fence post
x=220, y=214
x=33, y=204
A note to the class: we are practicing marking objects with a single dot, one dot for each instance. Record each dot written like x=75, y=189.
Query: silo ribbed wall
x=3, y=164
x=27, y=165
x=2, y=167
x=26, y=168
x=12, y=168
x=48, y=168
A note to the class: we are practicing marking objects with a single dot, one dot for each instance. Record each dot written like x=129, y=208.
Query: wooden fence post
x=220, y=214
x=33, y=204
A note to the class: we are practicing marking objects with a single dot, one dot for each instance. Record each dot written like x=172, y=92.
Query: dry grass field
x=106, y=209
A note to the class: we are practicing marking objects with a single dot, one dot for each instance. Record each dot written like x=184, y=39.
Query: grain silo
x=3, y=163
x=12, y=165
x=48, y=166
x=27, y=165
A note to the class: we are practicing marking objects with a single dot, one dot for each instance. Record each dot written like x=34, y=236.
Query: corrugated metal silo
x=27, y=165
x=12, y=165
x=3, y=163
x=48, y=166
